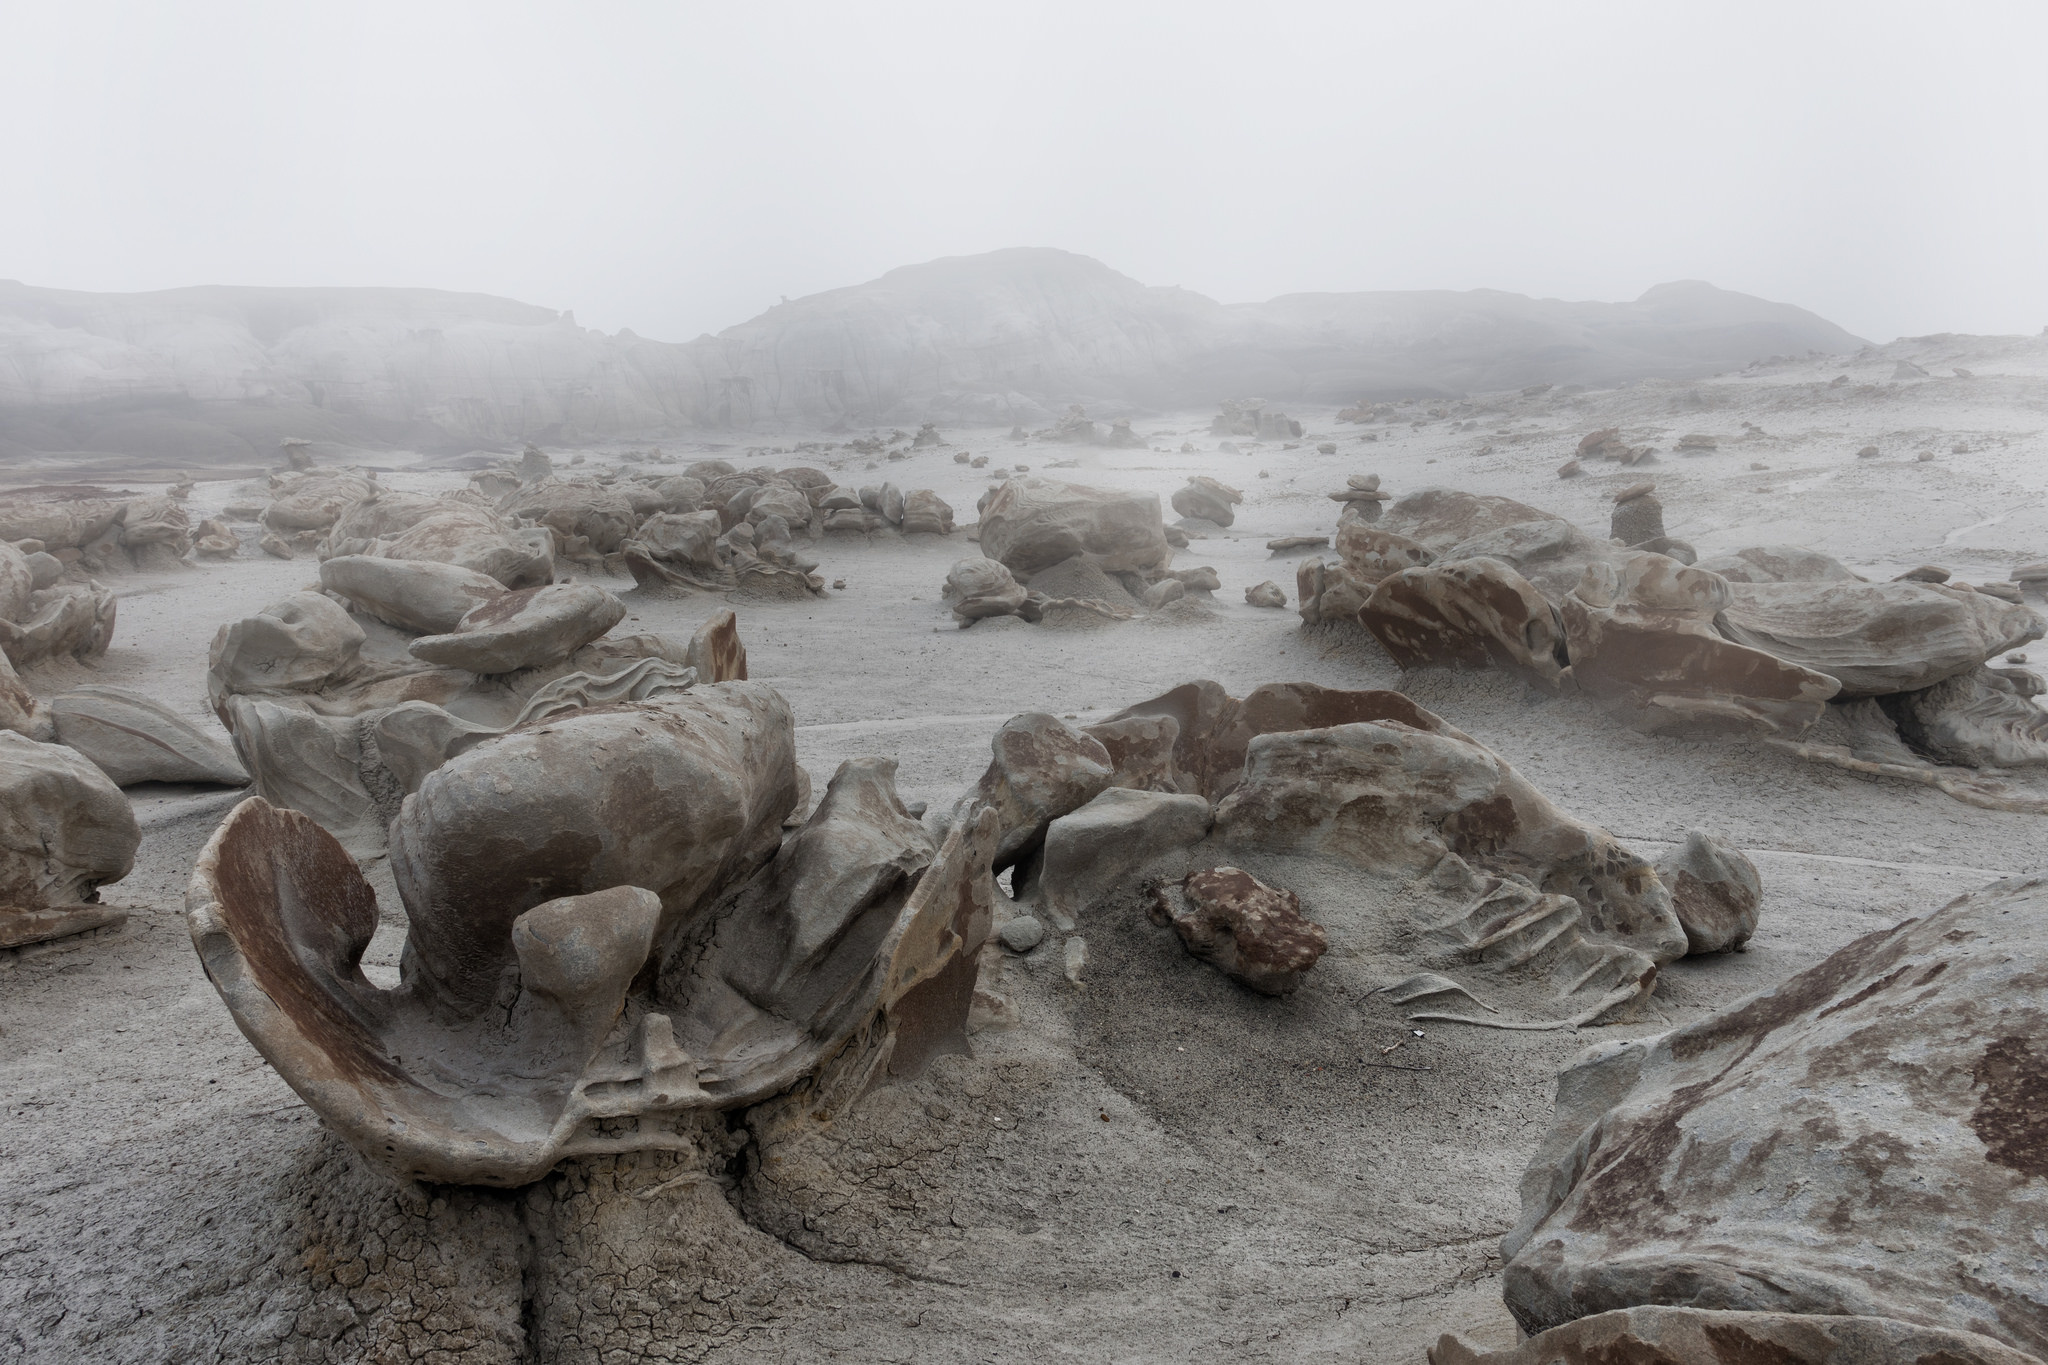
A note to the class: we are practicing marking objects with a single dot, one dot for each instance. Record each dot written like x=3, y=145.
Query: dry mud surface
x=1154, y=1165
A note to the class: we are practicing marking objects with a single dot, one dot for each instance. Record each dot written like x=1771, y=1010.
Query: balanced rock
x=1208, y=499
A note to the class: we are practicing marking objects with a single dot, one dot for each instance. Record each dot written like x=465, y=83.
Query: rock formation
x=592, y=987
x=65, y=831
x=1863, y=1139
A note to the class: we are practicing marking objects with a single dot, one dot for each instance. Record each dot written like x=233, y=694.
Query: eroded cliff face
x=216, y=376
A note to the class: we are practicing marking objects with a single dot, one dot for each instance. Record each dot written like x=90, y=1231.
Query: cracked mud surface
x=1156, y=1165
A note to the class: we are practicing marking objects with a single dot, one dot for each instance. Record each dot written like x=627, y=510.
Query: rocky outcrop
x=1864, y=1138
x=1032, y=524
x=580, y=979
x=1693, y=1336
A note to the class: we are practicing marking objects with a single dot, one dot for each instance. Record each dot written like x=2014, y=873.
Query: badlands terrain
x=1134, y=1158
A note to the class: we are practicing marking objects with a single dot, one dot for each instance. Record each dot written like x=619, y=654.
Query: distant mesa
x=216, y=377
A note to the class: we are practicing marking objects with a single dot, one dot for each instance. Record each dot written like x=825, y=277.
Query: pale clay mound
x=1155, y=1165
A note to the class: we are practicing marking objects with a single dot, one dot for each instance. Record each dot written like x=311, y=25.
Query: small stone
x=1327, y=448
x=1164, y=591
x=1267, y=594
x=978, y=462
x=1251, y=932
x=1635, y=490
x=1925, y=456
x=1369, y=482
x=1285, y=543
x=1758, y=464
x=1021, y=934
x=961, y=457
x=839, y=583
x=1570, y=469
x=2031, y=573
x=1926, y=573
x=1077, y=960
x=1868, y=453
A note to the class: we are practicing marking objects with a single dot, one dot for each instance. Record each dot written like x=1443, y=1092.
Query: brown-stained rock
x=1695, y=1336
x=1032, y=524
x=1370, y=554
x=716, y=652
x=65, y=831
x=926, y=513
x=1864, y=1138
x=1715, y=890
x=1043, y=769
x=1251, y=932
x=1644, y=642
x=1876, y=638
x=1467, y=613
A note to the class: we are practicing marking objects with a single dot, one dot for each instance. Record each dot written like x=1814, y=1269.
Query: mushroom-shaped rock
x=65, y=831
x=1032, y=524
x=1208, y=499
x=1828, y=1146
x=605, y=924
x=410, y=594
x=983, y=587
x=1714, y=889
x=1467, y=613
x=132, y=738
x=1877, y=638
x=1251, y=932
x=524, y=629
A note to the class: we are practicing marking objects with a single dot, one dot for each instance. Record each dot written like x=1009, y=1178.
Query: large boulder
x=569, y=985
x=1440, y=518
x=1467, y=613
x=1864, y=1138
x=678, y=550
x=1779, y=564
x=297, y=644
x=983, y=587
x=65, y=831
x=1644, y=642
x=1032, y=524
x=1985, y=718
x=132, y=738
x=1208, y=499
x=1043, y=769
x=410, y=594
x=479, y=540
x=524, y=629
x=1876, y=638
x=584, y=515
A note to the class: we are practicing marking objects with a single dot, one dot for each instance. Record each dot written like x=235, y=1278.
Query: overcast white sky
x=675, y=168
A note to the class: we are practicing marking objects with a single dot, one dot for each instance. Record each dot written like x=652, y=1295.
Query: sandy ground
x=1154, y=1165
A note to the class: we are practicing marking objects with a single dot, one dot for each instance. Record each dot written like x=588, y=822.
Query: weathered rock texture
x=1247, y=930
x=1865, y=1138
x=1691, y=1336
x=65, y=831
x=609, y=935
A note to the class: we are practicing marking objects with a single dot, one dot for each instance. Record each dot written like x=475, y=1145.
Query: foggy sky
x=676, y=168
